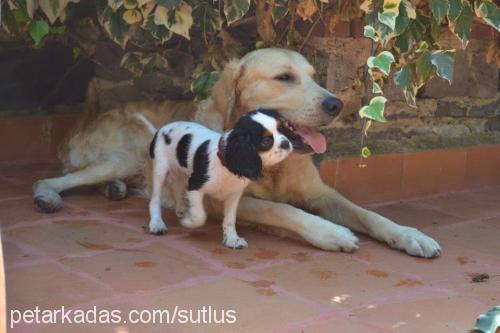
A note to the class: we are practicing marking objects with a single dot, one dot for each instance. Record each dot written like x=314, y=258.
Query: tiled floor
x=96, y=253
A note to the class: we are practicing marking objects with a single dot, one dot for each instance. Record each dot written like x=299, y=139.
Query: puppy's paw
x=414, y=242
x=115, y=190
x=235, y=242
x=46, y=199
x=157, y=227
x=332, y=237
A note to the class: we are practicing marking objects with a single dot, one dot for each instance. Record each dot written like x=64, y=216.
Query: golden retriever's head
x=280, y=80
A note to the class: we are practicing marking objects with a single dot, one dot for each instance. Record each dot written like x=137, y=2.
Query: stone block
x=473, y=77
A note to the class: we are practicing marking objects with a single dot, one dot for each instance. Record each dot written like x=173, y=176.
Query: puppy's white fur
x=207, y=174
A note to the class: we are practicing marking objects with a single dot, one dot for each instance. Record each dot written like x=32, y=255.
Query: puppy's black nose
x=332, y=106
x=285, y=144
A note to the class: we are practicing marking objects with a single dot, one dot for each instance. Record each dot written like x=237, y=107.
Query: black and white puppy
x=220, y=166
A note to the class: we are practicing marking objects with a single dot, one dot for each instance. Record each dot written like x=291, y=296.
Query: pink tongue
x=314, y=139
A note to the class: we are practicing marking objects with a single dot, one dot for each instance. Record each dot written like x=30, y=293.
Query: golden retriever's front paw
x=333, y=237
x=414, y=242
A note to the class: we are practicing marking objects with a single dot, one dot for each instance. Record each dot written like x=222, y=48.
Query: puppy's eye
x=284, y=77
x=266, y=143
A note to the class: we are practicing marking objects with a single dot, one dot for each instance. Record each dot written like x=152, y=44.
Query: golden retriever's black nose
x=332, y=106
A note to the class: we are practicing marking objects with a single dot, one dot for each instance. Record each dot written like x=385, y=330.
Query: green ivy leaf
x=159, y=32
x=179, y=21
x=439, y=9
x=402, y=21
x=76, y=51
x=170, y=4
x=424, y=67
x=117, y=29
x=490, y=13
x=405, y=81
x=20, y=15
x=280, y=10
x=38, y=29
x=203, y=84
x=375, y=110
x=376, y=88
x=444, y=61
x=389, y=19
x=54, y=9
x=454, y=10
x=235, y=9
x=382, y=62
x=415, y=33
x=115, y=4
x=207, y=18
x=369, y=32
x=57, y=30
x=7, y=20
x=138, y=62
x=461, y=26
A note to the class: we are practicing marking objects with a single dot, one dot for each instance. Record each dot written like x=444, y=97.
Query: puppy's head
x=255, y=142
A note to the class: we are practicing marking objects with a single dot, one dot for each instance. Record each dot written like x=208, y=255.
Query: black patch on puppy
x=167, y=138
x=240, y=152
x=200, y=167
x=183, y=149
x=152, y=147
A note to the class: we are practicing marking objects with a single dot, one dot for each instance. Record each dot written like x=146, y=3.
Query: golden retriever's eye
x=284, y=77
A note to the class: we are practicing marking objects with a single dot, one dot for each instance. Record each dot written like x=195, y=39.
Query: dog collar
x=220, y=150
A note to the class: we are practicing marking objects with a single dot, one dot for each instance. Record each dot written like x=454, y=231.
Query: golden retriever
x=112, y=150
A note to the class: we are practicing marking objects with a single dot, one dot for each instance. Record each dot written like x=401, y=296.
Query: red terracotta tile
x=48, y=286
x=454, y=262
x=414, y=215
x=337, y=280
x=433, y=171
x=22, y=210
x=263, y=248
x=439, y=314
x=328, y=171
x=482, y=166
x=75, y=236
x=466, y=205
x=482, y=237
x=140, y=269
x=379, y=181
x=257, y=308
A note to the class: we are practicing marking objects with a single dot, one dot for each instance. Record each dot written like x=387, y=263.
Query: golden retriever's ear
x=217, y=112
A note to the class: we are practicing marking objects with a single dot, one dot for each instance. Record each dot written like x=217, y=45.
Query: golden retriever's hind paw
x=48, y=203
x=115, y=190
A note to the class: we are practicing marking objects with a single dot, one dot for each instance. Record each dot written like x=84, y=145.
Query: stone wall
x=467, y=112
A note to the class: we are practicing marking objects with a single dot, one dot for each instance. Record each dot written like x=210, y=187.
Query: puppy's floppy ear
x=241, y=155
x=217, y=112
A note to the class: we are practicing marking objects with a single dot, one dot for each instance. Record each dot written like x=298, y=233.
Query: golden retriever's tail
x=146, y=122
